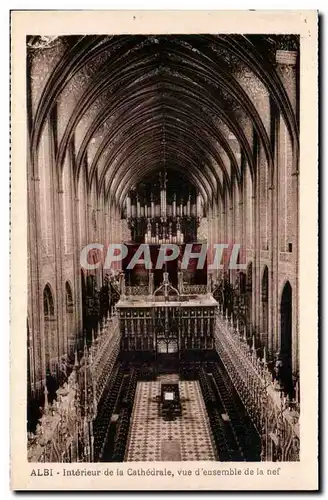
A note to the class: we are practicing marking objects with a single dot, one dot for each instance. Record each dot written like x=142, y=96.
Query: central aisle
x=151, y=438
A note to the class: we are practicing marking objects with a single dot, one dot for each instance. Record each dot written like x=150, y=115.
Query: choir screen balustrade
x=65, y=430
x=145, y=290
x=75, y=427
x=182, y=325
x=274, y=414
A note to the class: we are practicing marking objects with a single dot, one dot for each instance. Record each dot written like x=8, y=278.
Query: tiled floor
x=150, y=435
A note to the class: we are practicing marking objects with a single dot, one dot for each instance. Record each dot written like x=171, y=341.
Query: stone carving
x=274, y=415
x=64, y=432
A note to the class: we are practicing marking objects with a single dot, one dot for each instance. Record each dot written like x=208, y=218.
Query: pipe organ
x=159, y=212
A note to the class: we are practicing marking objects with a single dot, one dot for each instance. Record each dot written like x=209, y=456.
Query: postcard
x=164, y=250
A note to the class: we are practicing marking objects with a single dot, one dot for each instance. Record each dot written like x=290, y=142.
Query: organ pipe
x=148, y=206
x=138, y=208
x=174, y=205
x=188, y=206
x=198, y=205
x=128, y=207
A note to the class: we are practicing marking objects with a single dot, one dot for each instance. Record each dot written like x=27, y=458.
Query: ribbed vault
x=135, y=102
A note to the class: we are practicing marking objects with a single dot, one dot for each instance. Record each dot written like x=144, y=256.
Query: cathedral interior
x=151, y=140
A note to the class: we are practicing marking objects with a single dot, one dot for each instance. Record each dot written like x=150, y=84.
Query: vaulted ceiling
x=126, y=104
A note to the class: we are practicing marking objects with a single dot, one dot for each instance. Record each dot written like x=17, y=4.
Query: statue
x=278, y=367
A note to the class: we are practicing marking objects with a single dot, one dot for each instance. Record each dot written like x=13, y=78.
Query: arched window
x=50, y=336
x=69, y=298
x=265, y=284
x=249, y=209
x=82, y=207
x=67, y=207
x=264, y=199
x=94, y=215
x=286, y=200
x=48, y=303
x=46, y=193
x=70, y=334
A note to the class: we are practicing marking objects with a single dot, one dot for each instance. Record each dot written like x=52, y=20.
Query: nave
x=213, y=424
x=227, y=406
x=139, y=142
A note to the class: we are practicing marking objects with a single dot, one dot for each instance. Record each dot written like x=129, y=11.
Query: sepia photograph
x=163, y=251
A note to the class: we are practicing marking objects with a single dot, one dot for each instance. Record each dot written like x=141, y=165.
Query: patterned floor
x=151, y=438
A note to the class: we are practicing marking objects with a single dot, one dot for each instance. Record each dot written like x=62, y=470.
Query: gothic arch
x=69, y=297
x=48, y=302
x=196, y=78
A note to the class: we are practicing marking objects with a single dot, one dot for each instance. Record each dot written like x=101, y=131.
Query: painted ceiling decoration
x=123, y=91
